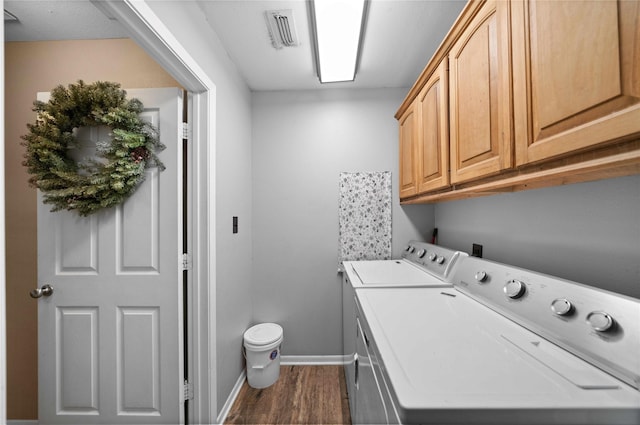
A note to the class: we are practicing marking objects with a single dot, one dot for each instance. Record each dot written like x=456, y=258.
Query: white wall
x=302, y=140
x=233, y=191
x=586, y=232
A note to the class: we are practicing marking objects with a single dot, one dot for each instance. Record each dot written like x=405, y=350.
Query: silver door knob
x=45, y=291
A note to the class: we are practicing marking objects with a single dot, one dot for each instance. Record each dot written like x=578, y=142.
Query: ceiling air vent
x=282, y=28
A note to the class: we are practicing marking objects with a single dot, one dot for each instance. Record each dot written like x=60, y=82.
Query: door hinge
x=185, y=131
x=186, y=261
x=187, y=391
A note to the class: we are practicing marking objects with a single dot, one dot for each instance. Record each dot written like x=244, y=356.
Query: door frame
x=154, y=37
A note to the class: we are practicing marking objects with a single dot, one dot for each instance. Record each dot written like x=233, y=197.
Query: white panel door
x=110, y=335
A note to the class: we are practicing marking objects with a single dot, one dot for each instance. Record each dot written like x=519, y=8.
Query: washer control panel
x=436, y=259
x=600, y=326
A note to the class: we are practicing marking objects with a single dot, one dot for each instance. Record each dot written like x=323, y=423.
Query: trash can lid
x=263, y=334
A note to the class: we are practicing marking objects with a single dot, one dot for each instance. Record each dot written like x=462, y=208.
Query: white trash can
x=262, y=350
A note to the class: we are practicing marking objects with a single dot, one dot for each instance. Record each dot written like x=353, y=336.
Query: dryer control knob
x=561, y=307
x=432, y=256
x=422, y=253
x=407, y=248
x=412, y=249
x=481, y=276
x=600, y=321
x=514, y=289
x=440, y=260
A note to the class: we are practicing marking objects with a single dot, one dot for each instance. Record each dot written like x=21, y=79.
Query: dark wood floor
x=301, y=395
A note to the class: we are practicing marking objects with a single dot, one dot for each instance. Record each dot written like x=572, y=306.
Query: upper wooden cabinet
x=541, y=93
x=576, y=75
x=408, y=137
x=480, y=94
x=432, y=163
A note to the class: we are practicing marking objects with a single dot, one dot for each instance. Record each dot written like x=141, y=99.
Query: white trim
x=232, y=397
x=21, y=422
x=204, y=367
x=144, y=26
x=313, y=360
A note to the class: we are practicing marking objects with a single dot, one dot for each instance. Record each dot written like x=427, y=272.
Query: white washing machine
x=502, y=346
x=422, y=265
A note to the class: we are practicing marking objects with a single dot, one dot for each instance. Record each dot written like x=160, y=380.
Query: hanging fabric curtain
x=364, y=216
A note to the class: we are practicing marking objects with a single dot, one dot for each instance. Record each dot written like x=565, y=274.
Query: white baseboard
x=313, y=360
x=21, y=422
x=232, y=398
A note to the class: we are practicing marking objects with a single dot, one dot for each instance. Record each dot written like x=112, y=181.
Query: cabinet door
x=408, y=134
x=576, y=75
x=480, y=94
x=370, y=408
x=349, y=328
x=433, y=132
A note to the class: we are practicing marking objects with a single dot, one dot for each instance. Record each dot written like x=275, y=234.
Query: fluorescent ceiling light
x=338, y=26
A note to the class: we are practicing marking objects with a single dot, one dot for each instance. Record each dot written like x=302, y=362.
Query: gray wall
x=233, y=187
x=278, y=159
x=301, y=142
x=586, y=232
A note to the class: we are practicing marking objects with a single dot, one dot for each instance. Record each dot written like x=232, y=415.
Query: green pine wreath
x=92, y=184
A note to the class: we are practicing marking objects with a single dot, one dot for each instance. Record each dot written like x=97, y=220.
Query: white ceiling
x=399, y=39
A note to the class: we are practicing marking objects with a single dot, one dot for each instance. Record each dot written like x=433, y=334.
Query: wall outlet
x=476, y=250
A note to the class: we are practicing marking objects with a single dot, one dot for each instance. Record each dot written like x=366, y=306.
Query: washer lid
x=396, y=273
x=484, y=364
x=263, y=334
